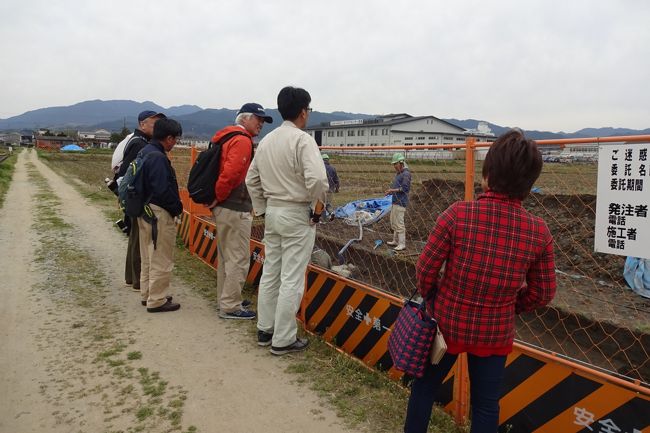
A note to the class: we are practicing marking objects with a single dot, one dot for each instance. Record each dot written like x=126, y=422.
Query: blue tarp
x=637, y=275
x=72, y=148
x=367, y=211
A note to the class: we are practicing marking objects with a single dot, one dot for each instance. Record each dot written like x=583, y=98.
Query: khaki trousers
x=288, y=243
x=397, y=213
x=156, y=264
x=233, y=247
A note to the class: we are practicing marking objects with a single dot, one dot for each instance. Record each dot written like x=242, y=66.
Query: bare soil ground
x=80, y=354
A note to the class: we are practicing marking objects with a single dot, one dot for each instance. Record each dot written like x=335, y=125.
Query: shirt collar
x=491, y=195
x=289, y=123
x=139, y=133
x=158, y=145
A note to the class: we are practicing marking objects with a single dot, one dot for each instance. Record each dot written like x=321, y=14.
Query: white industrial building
x=394, y=130
x=98, y=135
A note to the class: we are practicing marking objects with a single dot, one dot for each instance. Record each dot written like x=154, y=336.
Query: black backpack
x=205, y=171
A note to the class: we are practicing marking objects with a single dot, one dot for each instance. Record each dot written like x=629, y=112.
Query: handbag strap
x=412, y=295
x=423, y=304
x=432, y=294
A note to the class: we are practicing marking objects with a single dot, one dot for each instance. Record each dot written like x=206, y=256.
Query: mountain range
x=198, y=122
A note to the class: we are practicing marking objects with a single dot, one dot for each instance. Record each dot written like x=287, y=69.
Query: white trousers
x=288, y=243
x=397, y=213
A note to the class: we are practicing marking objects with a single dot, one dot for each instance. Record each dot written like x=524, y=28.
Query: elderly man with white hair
x=232, y=210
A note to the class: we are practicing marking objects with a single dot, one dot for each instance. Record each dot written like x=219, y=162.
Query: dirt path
x=80, y=354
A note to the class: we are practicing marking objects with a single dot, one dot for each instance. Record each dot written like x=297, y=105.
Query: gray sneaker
x=240, y=314
x=297, y=346
x=245, y=304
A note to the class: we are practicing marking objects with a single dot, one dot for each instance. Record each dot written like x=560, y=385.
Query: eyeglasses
x=309, y=109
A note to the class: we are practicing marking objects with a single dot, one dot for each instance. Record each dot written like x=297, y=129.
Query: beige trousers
x=157, y=264
x=233, y=246
x=288, y=243
x=397, y=213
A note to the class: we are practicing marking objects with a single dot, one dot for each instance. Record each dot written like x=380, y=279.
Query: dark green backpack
x=132, y=194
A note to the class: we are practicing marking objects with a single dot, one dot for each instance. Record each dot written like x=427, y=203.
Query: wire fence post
x=470, y=144
x=461, y=410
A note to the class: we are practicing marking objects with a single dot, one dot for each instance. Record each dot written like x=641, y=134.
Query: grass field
x=363, y=177
x=6, y=172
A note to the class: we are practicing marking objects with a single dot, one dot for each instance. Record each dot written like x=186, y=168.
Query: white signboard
x=622, y=220
x=346, y=122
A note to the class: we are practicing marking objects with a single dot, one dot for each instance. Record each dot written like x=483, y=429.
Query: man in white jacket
x=286, y=180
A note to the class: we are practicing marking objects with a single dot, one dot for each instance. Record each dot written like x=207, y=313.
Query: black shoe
x=298, y=346
x=167, y=306
x=169, y=298
x=264, y=338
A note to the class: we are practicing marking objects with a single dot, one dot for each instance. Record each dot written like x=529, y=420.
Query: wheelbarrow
x=339, y=255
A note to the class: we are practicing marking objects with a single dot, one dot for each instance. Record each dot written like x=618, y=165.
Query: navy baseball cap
x=148, y=113
x=255, y=109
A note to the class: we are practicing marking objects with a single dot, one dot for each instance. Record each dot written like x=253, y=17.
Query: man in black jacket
x=141, y=137
x=157, y=227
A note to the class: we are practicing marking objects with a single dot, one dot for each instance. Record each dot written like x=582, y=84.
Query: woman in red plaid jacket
x=499, y=263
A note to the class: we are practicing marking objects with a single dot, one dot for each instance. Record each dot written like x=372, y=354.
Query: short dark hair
x=291, y=101
x=512, y=165
x=165, y=127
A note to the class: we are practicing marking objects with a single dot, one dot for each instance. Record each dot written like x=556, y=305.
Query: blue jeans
x=485, y=375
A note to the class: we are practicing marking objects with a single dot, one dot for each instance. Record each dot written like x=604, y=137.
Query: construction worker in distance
x=399, y=190
x=333, y=181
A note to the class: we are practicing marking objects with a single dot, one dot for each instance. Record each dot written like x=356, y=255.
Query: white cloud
x=551, y=65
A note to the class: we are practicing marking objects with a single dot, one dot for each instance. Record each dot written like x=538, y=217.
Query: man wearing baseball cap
x=232, y=210
x=141, y=137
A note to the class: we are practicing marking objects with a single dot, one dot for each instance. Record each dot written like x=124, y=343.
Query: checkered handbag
x=411, y=339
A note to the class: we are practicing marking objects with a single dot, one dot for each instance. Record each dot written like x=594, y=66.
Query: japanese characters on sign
x=360, y=316
x=584, y=418
x=622, y=223
x=257, y=257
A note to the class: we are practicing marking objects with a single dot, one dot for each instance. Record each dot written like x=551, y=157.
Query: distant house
x=10, y=138
x=99, y=138
x=100, y=134
x=193, y=141
x=51, y=142
x=26, y=140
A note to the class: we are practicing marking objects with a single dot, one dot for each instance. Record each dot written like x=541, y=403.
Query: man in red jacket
x=232, y=210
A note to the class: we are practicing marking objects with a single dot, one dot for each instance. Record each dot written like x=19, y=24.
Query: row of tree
x=116, y=137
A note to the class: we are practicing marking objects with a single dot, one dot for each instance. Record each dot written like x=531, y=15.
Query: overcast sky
x=537, y=64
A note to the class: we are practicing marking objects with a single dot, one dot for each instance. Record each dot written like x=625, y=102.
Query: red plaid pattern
x=499, y=263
